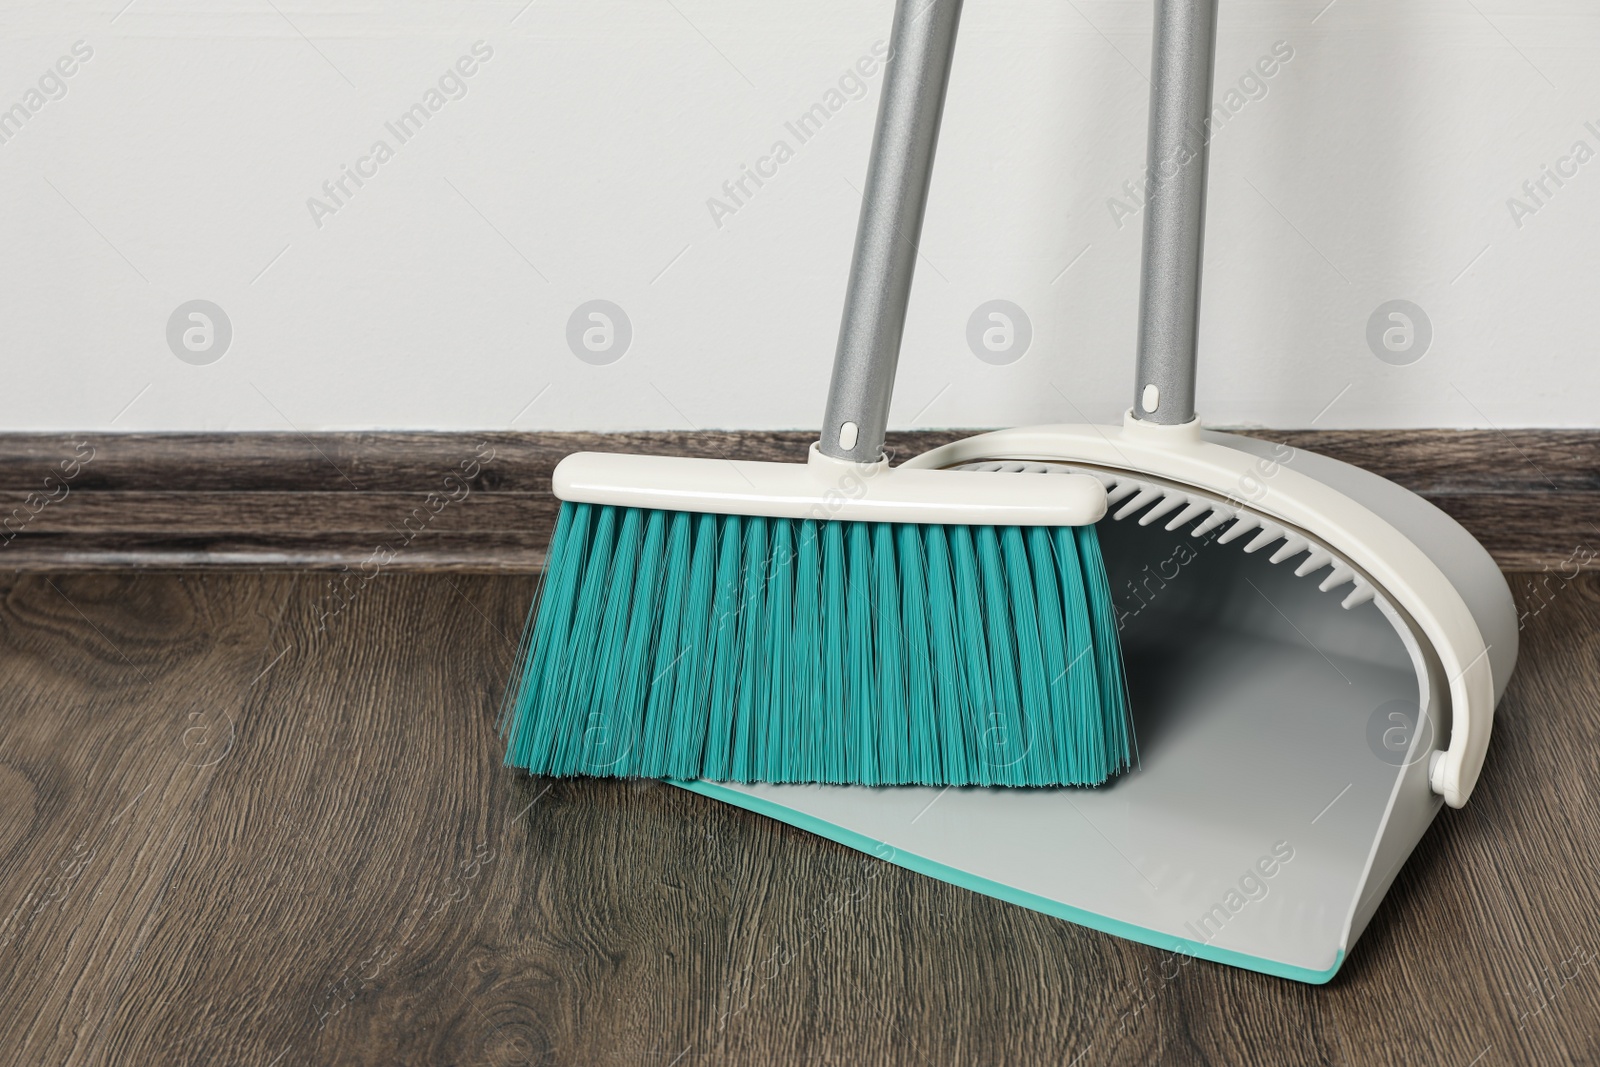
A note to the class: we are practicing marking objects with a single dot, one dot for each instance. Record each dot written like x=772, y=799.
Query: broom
x=837, y=621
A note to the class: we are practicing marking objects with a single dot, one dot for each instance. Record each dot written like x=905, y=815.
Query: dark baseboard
x=480, y=502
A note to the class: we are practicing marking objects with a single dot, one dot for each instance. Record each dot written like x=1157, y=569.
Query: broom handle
x=1175, y=209
x=915, y=76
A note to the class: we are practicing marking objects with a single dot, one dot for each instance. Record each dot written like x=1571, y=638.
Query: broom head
x=826, y=622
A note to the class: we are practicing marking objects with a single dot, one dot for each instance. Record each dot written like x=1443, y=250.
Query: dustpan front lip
x=999, y=890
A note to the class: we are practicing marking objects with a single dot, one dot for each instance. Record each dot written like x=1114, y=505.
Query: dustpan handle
x=1175, y=209
x=896, y=193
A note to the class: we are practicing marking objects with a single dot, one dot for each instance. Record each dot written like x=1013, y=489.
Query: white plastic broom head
x=828, y=489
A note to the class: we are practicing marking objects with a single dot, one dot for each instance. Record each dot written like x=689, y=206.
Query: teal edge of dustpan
x=1010, y=894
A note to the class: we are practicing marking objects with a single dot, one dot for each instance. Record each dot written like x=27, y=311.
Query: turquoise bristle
x=671, y=645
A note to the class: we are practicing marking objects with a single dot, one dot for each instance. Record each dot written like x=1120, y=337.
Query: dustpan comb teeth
x=1148, y=501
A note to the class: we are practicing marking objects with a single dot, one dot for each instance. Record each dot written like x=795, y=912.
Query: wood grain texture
x=327, y=501
x=236, y=829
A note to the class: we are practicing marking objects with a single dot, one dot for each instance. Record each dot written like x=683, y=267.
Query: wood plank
x=1421, y=460
x=231, y=834
x=122, y=693
x=319, y=501
x=475, y=552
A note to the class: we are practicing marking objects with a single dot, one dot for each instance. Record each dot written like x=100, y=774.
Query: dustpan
x=1292, y=749
x=1314, y=655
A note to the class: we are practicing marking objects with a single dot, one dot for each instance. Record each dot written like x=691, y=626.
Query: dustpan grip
x=890, y=227
x=1175, y=209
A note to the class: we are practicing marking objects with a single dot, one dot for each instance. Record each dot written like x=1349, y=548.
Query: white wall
x=179, y=163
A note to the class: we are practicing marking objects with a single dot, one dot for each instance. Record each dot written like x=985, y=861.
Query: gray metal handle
x=915, y=77
x=1175, y=209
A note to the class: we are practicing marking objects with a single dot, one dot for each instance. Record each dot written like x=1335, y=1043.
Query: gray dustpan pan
x=1313, y=655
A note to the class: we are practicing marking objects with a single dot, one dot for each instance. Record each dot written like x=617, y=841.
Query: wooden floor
x=228, y=836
